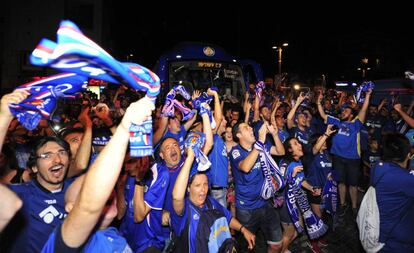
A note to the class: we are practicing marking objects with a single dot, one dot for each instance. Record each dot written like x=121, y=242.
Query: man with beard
x=43, y=198
x=346, y=149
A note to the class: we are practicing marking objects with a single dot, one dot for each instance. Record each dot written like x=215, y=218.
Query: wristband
x=326, y=135
x=139, y=182
x=242, y=226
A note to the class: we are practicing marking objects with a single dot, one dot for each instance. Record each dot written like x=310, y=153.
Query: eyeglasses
x=48, y=156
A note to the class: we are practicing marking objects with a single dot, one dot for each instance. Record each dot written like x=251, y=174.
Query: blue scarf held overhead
x=273, y=177
x=76, y=53
x=296, y=199
x=196, y=141
x=43, y=97
x=171, y=103
x=365, y=86
x=200, y=102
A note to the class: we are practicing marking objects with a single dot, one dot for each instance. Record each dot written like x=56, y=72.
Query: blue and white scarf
x=296, y=199
x=196, y=141
x=43, y=97
x=330, y=197
x=273, y=177
x=76, y=53
x=171, y=103
x=199, y=104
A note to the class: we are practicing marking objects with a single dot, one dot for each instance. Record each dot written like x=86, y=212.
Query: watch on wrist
x=139, y=182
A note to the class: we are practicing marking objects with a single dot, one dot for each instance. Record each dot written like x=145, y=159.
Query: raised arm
x=5, y=115
x=10, y=204
x=278, y=149
x=291, y=115
x=363, y=112
x=404, y=115
x=320, y=108
x=101, y=178
x=208, y=132
x=247, y=164
x=180, y=186
x=84, y=152
x=218, y=113
x=256, y=105
x=318, y=145
x=160, y=131
x=141, y=209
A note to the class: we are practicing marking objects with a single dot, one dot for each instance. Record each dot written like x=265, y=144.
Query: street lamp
x=279, y=50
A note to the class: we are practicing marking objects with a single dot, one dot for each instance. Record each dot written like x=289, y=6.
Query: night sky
x=250, y=31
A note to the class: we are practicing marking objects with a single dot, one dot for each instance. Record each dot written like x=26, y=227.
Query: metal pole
x=280, y=59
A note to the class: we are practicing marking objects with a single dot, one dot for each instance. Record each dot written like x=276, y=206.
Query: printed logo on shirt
x=50, y=201
x=164, y=183
x=412, y=172
x=324, y=164
x=224, y=152
x=235, y=154
x=344, y=130
x=196, y=216
x=48, y=214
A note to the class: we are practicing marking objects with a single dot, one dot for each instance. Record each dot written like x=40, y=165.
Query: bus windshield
x=202, y=74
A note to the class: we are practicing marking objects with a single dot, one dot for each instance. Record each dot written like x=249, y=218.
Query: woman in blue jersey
x=320, y=168
x=296, y=200
x=188, y=211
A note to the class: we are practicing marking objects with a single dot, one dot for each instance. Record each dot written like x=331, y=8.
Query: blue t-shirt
x=148, y=232
x=180, y=137
x=179, y=221
x=247, y=185
x=303, y=137
x=346, y=142
x=103, y=241
x=283, y=134
x=42, y=210
x=319, y=169
x=218, y=174
x=371, y=157
x=395, y=197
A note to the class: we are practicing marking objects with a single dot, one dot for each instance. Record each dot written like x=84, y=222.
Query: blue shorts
x=266, y=218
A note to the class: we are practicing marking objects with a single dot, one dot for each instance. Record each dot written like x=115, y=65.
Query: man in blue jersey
x=394, y=185
x=144, y=199
x=346, y=149
x=218, y=172
x=43, y=203
x=91, y=202
x=297, y=124
x=43, y=198
x=171, y=127
x=253, y=211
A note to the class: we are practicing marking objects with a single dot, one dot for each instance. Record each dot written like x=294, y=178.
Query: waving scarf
x=196, y=141
x=365, y=86
x=273, y=177
x=199, y=104
x=43, y=97
x=330, y=196
x=297, y=200
x=76, y=53
x=171, y=103
x=260, y=86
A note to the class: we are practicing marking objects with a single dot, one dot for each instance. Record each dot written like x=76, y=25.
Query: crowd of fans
x=74, y=186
